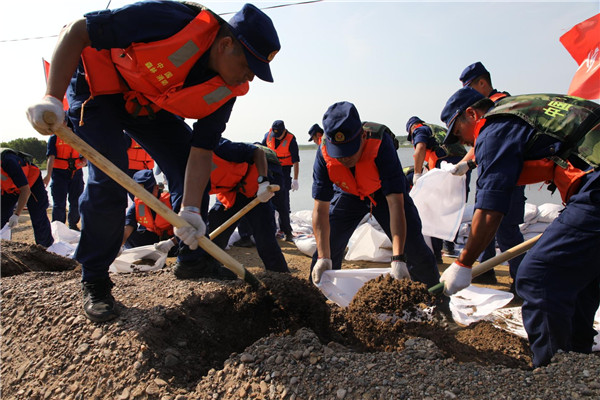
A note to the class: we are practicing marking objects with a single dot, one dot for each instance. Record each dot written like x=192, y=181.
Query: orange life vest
x=365, y=181
x=138, y=158
x=66, y=156
x=283, y=150
x=567, y=180
x=144, y=216
x=497, y=96
x=31, y=172
x=227, y=179
x=430, y=156
x=151, y=75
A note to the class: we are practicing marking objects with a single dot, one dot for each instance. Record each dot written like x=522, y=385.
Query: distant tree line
x=32, y=146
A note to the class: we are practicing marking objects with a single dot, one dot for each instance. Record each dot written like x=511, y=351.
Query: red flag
x=583, y=43
x=46, y=72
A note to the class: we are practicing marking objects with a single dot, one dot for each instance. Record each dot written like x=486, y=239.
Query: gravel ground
x=204, y=339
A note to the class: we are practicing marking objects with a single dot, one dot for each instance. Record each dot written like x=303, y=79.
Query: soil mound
x=18, y=258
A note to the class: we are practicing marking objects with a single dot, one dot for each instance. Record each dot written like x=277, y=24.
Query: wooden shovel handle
x=492, y=262
x=240, y=214
x=137, y=190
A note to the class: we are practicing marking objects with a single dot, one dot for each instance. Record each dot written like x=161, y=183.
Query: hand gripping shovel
x=124, y=180
x=492, y=262
x=240, y=214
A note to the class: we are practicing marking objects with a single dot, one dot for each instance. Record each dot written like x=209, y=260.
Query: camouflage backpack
x=447, y=150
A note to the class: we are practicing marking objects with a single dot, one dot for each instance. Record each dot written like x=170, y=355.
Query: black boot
x=98, y=302
x=246, y=241
x=487, y=278
x=204, y=267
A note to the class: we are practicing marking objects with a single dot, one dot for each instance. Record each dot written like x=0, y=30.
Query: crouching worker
x=22, y=185
x=522, y=140
x=143, y=226
x=361, y=161
x=241, y=173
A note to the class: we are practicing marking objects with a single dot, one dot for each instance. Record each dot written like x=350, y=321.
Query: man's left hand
x=399, y=270
x=295, y=185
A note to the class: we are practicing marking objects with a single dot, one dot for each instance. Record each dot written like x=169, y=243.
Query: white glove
x=191, y=234
x=264, y=194
x=295, y=185
x=416, y=178
x=164, y=246
x=35, y=115
x=459, y=169
x=455, y=278
x=399, y=270
x=13, y=221
x=322, y=265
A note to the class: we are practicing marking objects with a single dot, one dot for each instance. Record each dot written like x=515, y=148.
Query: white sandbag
x=440, y=199
x=62, y=249
x=511, y=320
x=5, y=233
x=468, y=213
x=62, y=233
x=531, y=213
x=340, y=286
x=529, y=235
x=474, y=303
x=307, y=244
x=369, y=245
x=301, y=222
x=548, y=212
x=538, y=227
x=129, y=260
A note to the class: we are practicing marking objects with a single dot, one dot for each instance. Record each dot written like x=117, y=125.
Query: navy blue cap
x=313, y=131
x=456, y=104
x=472, y=72
x=411, y=121
x=255, y=30
x=145, y=177
x=342, y=126
x=278, y=127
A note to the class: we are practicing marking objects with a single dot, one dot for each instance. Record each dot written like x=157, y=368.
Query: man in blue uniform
x=67, y=180
x=262, y=217
x=527, y=139
x=509, y=235
x=315, y=134
x=190, y=63
x=357, y=171
x=284, y=143
x=22, y=185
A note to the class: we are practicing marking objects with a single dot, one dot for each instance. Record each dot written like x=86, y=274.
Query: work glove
x=35, y=115
x=263, y=193
x=322, y=265
x=13, y=221
x=191, y=234
x=455, y=278
x=399, y=270
x=164, y=246
x=295, y=185
x=416, y=178
x=457, y=169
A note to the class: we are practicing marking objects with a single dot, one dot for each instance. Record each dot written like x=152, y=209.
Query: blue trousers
x=559, y=278
x=345, y=213
x=262, y=220
x=66, y=185
x=36, y=206
x=103, y=202
x=281, y=201
x=509, y=234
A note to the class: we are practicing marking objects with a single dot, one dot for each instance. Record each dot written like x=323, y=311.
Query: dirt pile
x=18, y=258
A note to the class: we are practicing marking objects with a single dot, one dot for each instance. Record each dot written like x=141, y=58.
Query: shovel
x=240, y=214
x=124, y=180
x=492, y=262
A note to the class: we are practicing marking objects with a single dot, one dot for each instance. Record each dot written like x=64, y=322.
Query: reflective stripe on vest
x=365, y=181
x=227, y=179
x=283, y=150
x=144, y=216
x=155, y=72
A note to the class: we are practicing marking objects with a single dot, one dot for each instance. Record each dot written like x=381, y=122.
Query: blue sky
x=391, y=59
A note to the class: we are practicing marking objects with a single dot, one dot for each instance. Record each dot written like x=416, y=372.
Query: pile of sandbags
x=536, y=220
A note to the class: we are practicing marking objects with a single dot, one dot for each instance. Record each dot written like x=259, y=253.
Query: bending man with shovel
x=526, y=139
x=143, y=68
